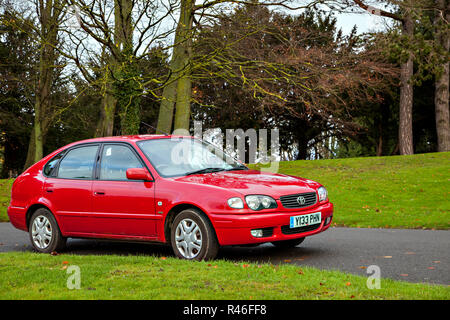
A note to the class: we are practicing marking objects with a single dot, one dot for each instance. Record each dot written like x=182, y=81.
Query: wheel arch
x=177, y=209
x=32, y=209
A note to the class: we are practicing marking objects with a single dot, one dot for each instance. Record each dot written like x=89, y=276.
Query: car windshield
x=184, y=156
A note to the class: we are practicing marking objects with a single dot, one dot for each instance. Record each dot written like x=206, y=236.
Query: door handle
x=99, y=193
x=49, y=190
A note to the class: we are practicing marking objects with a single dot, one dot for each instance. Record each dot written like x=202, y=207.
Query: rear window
x=78, y=163
x=49, y=168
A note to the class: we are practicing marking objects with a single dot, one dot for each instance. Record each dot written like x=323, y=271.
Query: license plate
x=306, y=220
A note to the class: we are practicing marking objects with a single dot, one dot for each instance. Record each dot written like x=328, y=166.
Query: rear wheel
x=192, y=236
x=44, y=232
x=288, y=243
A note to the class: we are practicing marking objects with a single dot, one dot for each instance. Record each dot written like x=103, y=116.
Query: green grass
x=39, y=276
x=387, y=192
x=5, y=195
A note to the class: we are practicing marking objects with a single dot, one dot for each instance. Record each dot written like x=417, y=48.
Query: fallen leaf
x=54, y=253
x=348, y=284
x=245, y=265
x=436, y=261
x=64, y=268
x=163, y=258
x=387, y=257
x=300, y=271
x=363, y=267
x=404, y=274
x=431, y=268
x=65, y=262
x=287, y=260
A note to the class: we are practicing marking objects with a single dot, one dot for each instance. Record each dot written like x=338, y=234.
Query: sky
x=365, y=22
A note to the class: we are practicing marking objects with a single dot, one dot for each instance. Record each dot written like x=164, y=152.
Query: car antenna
x=150, y=126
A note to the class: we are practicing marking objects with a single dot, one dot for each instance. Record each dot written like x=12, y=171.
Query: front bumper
x=234, y=229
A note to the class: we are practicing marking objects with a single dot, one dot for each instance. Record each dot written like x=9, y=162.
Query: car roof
x=133, y=138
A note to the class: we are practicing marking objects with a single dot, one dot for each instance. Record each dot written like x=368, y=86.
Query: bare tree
x=178, y=94
x=124, y=31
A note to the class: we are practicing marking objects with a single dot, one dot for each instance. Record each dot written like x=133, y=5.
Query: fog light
x=328, y=220
x=257, y=233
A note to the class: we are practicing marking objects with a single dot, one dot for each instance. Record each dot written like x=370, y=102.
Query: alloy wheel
x=188, y=237
x=41, y=232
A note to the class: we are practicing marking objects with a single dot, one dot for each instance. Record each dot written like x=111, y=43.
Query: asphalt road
x=408, y=255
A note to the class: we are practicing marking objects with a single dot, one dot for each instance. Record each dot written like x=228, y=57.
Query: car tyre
x=192, y=236
x=45, y=235
x=288, y=243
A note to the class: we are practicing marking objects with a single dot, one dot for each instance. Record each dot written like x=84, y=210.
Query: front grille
x=292, y=200
x=288, y=230
x=267, y=232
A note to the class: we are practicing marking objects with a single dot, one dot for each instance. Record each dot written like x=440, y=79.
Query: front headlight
x=323, y=194
x=259, y=202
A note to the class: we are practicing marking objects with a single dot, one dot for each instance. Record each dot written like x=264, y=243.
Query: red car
x=170, y=189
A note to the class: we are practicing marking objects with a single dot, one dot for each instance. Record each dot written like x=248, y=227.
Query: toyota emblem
x=301, y=200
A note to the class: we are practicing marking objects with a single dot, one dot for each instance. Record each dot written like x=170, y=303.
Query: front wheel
x=288, y=243
x=44, y=232
x=192, y=236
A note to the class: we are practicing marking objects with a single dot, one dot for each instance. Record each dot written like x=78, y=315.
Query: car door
x=68, y=187
x=124, y=208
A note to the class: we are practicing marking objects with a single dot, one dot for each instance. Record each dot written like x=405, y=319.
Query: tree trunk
x=126, y=87
x=179, y=89
x=302, y=152
x=441, y=95
x=183, y=108
x=49, y=20
x=106, y=122
x=302, y=142
x=406, y=96
x=380, y=146
x=31, y=151
x=165, y=117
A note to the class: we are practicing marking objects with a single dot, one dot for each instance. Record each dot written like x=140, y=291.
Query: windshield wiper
x=205, y=170
x=237, y=168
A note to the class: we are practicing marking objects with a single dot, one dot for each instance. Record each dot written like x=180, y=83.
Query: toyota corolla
x=170, y=189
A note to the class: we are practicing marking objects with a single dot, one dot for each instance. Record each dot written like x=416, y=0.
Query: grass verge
x=5, y=195
x=39, y=276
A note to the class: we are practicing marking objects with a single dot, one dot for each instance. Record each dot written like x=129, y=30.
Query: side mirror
x=138, y=174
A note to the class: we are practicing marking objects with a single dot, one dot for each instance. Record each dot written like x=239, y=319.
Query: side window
x=50, y=166
x=116, y=159
x=78, y=163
